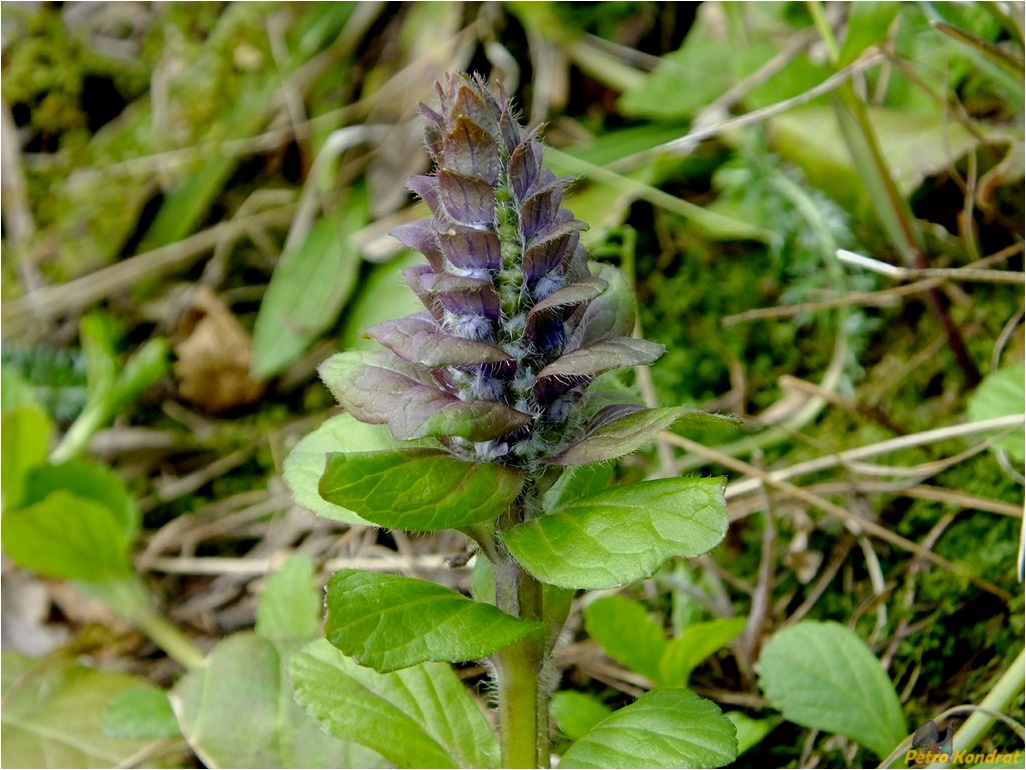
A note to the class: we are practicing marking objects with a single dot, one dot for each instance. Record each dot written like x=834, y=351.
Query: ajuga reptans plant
x=485, y=396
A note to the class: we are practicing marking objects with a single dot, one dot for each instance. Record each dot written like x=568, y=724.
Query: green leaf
x=556, y=601
x=290, y=605
x=822, y=675
x=628, y=632
x=307, y=290
x=144, y=712
x=1001, y=394
x=25, y=433
x=237, y=710
x=419, y=489
x=868, y=23
x=688, y=79
x=575, y=482
x=698, y=642
x=750, y=732
x=344, y=433
x=576, y=712
x=663, y=728
x=390, y=622
x=914, y=146
x=68, y=537
x=53, y=716
x=627, y=431
x=88, y=480
x=143, y=369
x=418, y=717
x=622, y=533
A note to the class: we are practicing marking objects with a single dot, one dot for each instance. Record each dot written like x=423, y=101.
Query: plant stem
x=523, y=699
x=130, y=598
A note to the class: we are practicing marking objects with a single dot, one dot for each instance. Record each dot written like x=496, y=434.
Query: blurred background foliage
x=195, y=213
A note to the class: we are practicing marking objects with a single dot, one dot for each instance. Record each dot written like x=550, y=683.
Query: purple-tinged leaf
x=612, y=314
x=603, y=357
x=525, y=163
x=469, y=149
x=538, y=212
x=426, y=188
x=469, y=104
x=413, y=276
x=419, y=489
x=385, y=389
x=433, y=131
x=619, y=430
x=574, y=294
x=462, y=295
x=466, y=199
x=418, y=338
x=551, y=249
x=560, y=304
x=422, y=236
x=470, y=248
x=512, y=133
x=626, y=432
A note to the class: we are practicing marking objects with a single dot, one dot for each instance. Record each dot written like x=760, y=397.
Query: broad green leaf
x=750, y=732
x=914, y=147
x=663, y=728
x=344, y=433
x=144, y=712
x=237, y=710
x=626, y=431
x=628, y=632
x=25, y=433
x=418, y=717
x=698, y=642
x=53, y=716
x=88, y=480
x=822, y=675
x=419, y=489
x=556, y=601
x=16, y=390
x=1002, y=394
x=868, y=23
x=308, y=290
x=576, y=712
x=390, y=622
x=68, y=537
x=623, y=533
x=688, y=79
x=575, y=482
x=290, y=605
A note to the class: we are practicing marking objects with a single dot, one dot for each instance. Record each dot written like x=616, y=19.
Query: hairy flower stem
x=523, y=697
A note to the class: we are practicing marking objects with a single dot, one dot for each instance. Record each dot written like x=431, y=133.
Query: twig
x=909, y=273
x=52, y=301
x=687, y=143
x=881, y=297
x=226, y=565
x=854, y=522
x=747, y=486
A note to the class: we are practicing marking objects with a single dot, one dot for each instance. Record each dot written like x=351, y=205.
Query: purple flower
x=517, y=325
